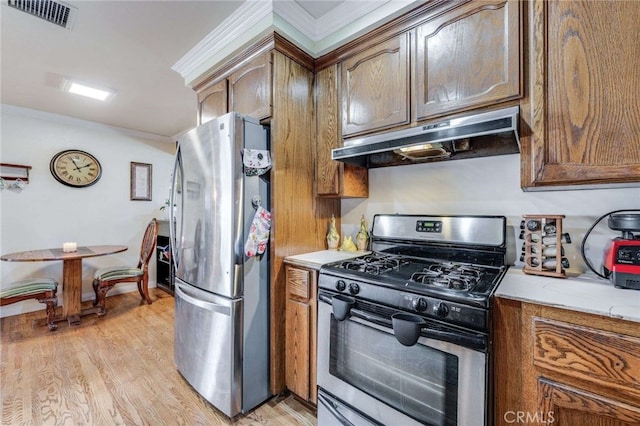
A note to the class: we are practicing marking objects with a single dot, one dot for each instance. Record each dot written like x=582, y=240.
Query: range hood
x=478, y=135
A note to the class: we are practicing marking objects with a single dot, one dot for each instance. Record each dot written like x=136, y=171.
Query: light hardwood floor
x=113, y=370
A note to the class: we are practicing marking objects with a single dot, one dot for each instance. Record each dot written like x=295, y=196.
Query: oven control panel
x=429, y=226
x=447, y=311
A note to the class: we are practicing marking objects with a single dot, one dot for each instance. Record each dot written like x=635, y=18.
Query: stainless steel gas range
x=403, y=332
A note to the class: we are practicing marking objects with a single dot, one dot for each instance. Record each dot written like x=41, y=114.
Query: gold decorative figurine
x=333, y=238
x=347, y=244
x=362, y=239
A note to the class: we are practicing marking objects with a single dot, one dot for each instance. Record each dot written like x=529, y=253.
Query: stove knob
x=354, y=288
x=441, y=310
x=341, y=285
x=420, y=304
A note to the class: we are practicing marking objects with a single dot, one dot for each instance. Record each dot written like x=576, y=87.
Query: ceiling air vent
x=55, y=12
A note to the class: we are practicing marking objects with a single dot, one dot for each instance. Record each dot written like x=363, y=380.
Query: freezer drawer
x=208, y=346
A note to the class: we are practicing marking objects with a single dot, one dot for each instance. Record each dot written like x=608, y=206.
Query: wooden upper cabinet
x=333, y=178
x=584, y=113
x=212, y=102
x=467, y=58
x=375, y=87
x=250, y=88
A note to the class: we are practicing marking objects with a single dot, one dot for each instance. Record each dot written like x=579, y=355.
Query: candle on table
x=69, y=247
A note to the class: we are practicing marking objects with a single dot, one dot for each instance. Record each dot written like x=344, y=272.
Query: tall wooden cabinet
x=466, y=58
x=582, y=120
x=299, y=218
x=566, y=368
x=333, y=178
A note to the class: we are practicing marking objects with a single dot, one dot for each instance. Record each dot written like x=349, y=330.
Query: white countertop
x=585, y=293
x=316, y=259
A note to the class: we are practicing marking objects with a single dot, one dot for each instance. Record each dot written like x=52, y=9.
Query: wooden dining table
x=71, y=273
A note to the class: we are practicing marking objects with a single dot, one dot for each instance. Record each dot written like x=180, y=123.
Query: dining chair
x=105, y=278
x=42, y=289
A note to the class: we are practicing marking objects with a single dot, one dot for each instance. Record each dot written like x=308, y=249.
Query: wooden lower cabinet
x=560, y=367
x=301, y=311
x=568, y=406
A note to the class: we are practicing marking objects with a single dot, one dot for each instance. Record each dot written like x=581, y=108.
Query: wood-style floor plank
x=114, y=370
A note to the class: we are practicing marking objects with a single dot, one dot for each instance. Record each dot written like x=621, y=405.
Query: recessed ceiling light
x=82, y=89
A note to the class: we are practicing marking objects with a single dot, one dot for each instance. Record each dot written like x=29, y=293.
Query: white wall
x=489, y=186
x=46, y=213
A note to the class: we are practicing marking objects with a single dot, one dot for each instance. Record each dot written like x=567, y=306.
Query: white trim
x=296, y=16
x=343, y=15
x=63, y=119
x=250, y=14
x=254, y=17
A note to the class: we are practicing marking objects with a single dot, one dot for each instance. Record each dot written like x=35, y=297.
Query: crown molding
x=250, y=15
x=253, y=19
x=317, y=30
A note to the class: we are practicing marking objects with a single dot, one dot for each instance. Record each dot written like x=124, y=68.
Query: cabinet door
x=297, y=352
x=610, y=360
x=212, y=102
x=300, y=332
x=333, y=178
x=467, y=58
x=250, y=88
x=584, y=114
x=375, y=87
x=566, y=406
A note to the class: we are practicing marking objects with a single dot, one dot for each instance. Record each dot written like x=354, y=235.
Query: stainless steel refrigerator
x=221, y=294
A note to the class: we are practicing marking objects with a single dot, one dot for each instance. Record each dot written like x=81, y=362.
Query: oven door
x=433, y=382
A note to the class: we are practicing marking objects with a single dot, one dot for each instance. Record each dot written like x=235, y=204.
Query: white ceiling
x=129, y=46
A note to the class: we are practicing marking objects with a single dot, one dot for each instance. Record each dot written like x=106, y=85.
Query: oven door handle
x=472, y=342
x=333, y=409
x=459, y=338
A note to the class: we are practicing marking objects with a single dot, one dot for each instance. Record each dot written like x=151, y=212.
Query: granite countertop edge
x=584, y=293
x=316, y=259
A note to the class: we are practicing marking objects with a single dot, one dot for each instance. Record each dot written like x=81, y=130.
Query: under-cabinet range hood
x=478, y=135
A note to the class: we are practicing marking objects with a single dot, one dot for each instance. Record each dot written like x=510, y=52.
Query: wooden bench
x=42, y=289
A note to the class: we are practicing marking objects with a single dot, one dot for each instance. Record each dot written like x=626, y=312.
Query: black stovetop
x=447, y=274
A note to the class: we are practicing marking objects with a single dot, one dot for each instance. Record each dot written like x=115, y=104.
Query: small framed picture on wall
x=140, y=181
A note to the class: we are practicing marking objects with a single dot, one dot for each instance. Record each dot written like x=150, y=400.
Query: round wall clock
x=75, y=168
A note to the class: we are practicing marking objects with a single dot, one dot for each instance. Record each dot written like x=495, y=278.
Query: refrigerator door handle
x=210, y=306
x=172, y=232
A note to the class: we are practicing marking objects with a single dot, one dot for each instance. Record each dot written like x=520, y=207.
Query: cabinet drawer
x=605, y=358
x=298, y=282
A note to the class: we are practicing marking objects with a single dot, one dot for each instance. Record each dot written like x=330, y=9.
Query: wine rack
x=542, y=251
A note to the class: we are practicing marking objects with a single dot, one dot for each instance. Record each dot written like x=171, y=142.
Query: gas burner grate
x=449, y=275
x=374, y=263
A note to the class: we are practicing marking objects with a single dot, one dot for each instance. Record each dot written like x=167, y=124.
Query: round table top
x=58, y=254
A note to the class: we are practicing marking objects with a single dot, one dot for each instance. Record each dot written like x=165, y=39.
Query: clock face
x=75, y=168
